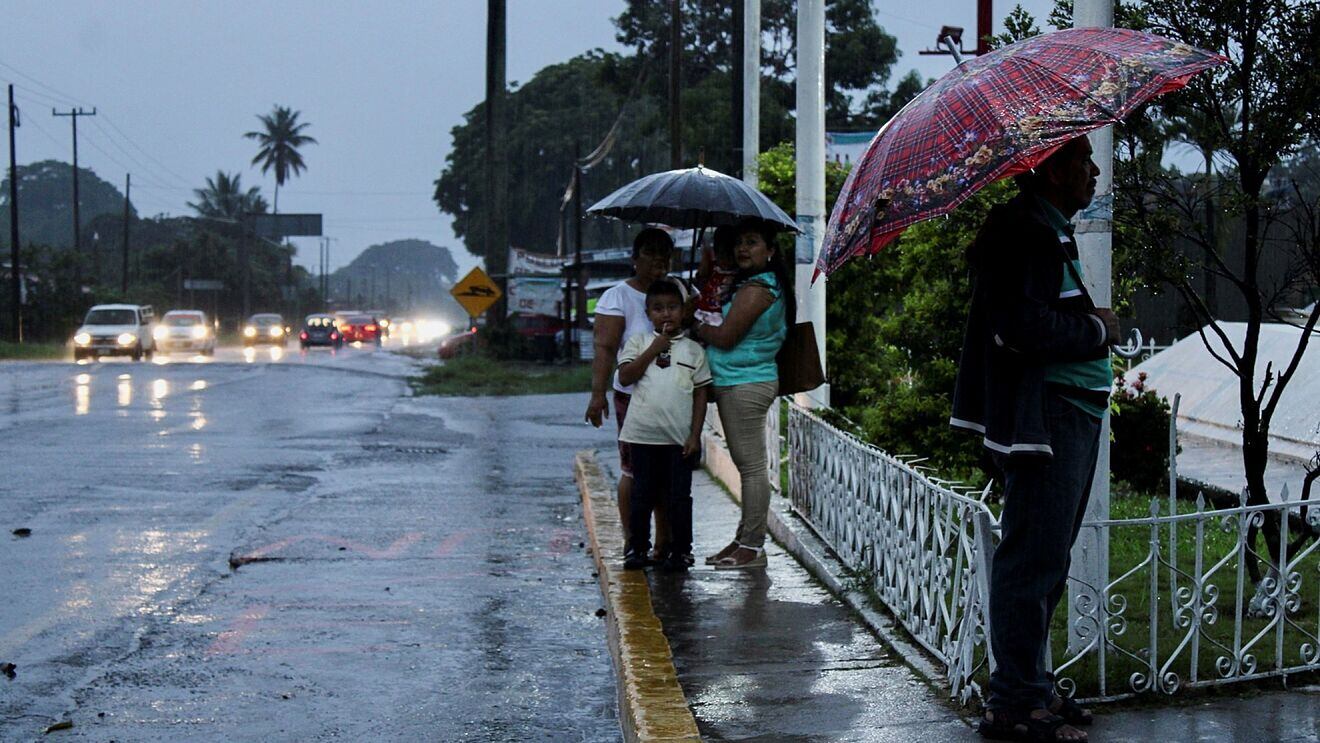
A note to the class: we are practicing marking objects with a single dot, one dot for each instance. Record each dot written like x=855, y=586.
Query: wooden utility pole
x=73, y=115
x=675, y=89
x=128, y=185
x=497, y=219
x=15, y=274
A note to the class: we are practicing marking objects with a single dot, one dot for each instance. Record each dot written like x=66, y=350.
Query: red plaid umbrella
x=996, y=116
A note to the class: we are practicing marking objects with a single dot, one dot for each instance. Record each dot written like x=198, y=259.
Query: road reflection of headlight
x=83, y=378
x=198, y=385
x=83, y=339
x=127, y=339
x=160, y=388
x=249, y=332
x=125, y=392
x=276, y=353
x=82, y=400
x=199, y=332
x=160, y=333
x=249, y=354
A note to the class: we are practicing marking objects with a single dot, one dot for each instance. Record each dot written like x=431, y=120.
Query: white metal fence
x=1182, y=611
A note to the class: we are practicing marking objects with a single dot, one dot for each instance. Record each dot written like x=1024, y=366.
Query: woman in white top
x=621, y=314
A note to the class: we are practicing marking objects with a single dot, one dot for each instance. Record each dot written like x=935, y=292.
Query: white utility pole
x=751, y=92
x=1090, y=556
x=811, y=177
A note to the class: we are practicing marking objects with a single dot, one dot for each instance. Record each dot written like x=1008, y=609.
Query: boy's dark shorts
x=621, y=400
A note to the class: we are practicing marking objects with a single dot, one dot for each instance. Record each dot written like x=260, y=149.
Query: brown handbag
x=799, y=360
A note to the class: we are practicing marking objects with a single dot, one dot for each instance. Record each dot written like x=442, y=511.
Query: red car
x=458, y=344
x=360, y=329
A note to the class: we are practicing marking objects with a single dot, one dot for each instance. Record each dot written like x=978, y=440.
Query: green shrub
x=1139, y=450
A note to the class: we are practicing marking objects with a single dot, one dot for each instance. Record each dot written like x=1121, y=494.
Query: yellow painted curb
x=651, y=702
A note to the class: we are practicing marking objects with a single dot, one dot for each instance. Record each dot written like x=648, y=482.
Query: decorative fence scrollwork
x=1182, y=612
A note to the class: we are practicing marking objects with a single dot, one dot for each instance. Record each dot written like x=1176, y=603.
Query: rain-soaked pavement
x=262, y=548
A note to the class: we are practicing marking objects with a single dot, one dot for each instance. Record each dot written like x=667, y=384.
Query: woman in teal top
x=741, y=352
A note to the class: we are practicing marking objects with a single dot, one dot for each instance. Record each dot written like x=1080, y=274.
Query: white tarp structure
x=1210, y=406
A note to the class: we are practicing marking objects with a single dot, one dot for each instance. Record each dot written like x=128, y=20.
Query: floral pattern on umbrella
x=993, y=117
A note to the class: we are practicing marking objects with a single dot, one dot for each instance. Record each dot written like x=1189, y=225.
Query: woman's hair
x=778, y=265
x=652, y=237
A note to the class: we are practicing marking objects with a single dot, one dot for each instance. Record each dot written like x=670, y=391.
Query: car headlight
x=127, y=339
x=249, y=332
x=83, y=339
x=199, y=332
x=160, y=332
x=384, y=323
x=276, y=331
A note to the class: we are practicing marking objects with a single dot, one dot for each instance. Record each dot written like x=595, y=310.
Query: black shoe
x=689, y=560
x=674, y=564
x=635, y=561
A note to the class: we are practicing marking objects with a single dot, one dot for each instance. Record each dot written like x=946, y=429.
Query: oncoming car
x=185, y=330
x=116, y=330
x=265, y=327
x=320, y=330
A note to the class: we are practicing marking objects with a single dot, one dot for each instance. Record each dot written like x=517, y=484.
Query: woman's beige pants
x=742, y=412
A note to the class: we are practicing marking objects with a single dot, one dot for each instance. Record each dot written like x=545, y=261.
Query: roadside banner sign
x=535, y=296
x=476, y=292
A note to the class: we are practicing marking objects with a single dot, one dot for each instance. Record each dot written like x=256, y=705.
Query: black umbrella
x=693, y=198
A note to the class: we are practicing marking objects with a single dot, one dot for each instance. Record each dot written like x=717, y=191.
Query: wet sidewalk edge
x=652, y=706
x=802, y=543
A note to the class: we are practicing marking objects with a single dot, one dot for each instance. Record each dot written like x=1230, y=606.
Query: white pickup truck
x=116, y=330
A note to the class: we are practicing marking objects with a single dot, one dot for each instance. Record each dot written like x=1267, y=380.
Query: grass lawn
x=481, y=375
x=33, y=351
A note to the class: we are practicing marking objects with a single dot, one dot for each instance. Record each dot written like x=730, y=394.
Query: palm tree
x=279, y=146
x=224, y=198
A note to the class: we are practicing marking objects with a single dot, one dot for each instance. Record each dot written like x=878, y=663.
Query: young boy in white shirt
x=664, y=423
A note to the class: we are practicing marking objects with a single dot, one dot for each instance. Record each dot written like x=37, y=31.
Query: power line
x=109, y=120
x=65, y=97
x=139, y=166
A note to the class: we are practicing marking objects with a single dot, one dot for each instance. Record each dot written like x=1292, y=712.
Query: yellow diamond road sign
x=476, y=292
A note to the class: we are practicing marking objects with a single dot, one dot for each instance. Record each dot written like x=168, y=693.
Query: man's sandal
x=1072, y=712
x=729, y=562
x=729, y=550
x=1021, y=726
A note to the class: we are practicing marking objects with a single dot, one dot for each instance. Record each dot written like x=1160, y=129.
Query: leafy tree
x=577, y=102
x=894, y=324
x=1252, y=116
x=224, y=198
x=45, y=197
x=280, y=138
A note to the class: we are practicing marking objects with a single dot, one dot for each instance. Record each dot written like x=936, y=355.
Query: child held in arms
x=664, y=424
x=716, y=275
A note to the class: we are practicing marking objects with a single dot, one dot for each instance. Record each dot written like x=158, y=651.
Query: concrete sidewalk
x=775, y=655
x=770, y=654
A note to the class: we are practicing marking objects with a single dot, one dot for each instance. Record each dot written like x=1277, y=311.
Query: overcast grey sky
x=176, y=83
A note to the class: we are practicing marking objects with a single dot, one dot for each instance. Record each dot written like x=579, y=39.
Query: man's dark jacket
x=1018, y=323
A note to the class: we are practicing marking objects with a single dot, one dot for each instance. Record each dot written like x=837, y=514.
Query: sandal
x=1072, y=713
x=729, y=562
x=729, y=550
x=1021, y=726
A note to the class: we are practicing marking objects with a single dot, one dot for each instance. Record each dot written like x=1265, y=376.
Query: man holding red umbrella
x=1033, y=382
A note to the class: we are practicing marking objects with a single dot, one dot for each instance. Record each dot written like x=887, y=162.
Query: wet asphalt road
x=293, y=548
